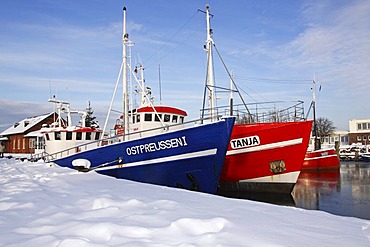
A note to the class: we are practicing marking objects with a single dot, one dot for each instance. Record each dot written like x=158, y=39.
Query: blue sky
x=72, y=49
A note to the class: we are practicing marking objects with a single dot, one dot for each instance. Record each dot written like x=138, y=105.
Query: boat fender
x=81, y=164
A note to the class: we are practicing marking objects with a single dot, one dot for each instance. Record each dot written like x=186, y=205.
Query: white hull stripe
x=321, y=157
x=290, y=177
x=266, y=147
x=164, y=159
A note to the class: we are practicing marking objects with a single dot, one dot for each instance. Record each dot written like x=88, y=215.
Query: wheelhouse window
x=181, y=119
x=57, y=135
x=97, y=135
x=88, y=135
x=167, y=118
x=47, y=136
x=78, y=135
x=148, y=117
x=138, y=118
x=157, y=117
x=69, y=135
x=174, y=119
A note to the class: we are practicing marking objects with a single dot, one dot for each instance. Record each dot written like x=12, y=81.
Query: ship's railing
x=261, y=112
x=114, y=139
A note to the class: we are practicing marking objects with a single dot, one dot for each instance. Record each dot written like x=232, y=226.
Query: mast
x=231, y=96
x=316, y=142
x=210, y=73
x=124, y=76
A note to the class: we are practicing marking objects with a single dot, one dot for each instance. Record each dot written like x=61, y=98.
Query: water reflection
x=345, y=192
x=342, y=192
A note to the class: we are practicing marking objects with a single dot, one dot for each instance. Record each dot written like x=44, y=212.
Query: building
x=359, y=131
x=24, y=136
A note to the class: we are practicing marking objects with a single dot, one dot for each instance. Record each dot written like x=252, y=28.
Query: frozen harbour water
x=46, y=205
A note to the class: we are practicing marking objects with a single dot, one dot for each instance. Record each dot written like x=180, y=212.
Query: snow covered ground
x=46, y=205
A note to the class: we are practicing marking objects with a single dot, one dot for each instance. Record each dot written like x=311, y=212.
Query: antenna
x=160, y=85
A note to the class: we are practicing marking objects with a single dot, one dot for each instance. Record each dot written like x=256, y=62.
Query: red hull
x=322, y=159
x=265, y=157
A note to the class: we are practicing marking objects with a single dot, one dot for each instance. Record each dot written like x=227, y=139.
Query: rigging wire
x=180, y=29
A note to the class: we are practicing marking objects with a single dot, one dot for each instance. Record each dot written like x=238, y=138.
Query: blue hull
x=364, y=158
x=191, y=158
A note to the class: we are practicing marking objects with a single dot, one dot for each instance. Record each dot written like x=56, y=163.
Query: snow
x=46, y=205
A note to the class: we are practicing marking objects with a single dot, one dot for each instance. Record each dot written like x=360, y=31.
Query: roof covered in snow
x=24, y=125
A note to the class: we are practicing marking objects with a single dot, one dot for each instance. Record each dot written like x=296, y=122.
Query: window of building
x=364, y=138
x=359, y=126
x=336, y=138
x=148, y=117
x=331, y=139
x=24, y=144
x=174, y=119
x=19, y=144
x=31, y=143
x=364, y=126
x=368, y=125
x=47, y=136
x=359, y=138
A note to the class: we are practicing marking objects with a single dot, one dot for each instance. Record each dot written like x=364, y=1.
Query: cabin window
x=97, y=135
x=181, y=119
x=166, y=118
x=138, y=118
x=148, y=117
x=47, y=136
x=88, y=135
x=78, y=135
x=157, y=117
x=57, y=135
x=133, y=119
x=69, y=135
x=174, y=119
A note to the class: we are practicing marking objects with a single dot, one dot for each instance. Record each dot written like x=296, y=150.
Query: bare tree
x=324, y=127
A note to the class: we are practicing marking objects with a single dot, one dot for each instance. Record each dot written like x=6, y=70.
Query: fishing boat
x=265, y=154
x=153, y=143
x=318, y=158
x=63, y=134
